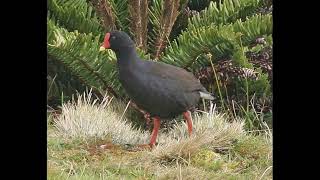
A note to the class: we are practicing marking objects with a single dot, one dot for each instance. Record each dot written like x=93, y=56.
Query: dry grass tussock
x=87, y=118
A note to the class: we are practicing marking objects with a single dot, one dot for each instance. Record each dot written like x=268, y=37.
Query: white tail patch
x=206, y=96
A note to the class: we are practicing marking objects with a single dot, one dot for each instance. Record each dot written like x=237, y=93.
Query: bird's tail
x=207, y=95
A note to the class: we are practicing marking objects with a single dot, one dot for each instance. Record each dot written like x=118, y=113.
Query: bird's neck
x=127, y=56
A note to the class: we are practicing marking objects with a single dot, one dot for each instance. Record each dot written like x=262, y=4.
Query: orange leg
x=187, y=117
x=156, y=126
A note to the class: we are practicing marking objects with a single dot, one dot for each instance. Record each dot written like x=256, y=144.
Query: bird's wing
x=177, y=77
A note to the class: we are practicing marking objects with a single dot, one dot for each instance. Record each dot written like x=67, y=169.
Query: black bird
x=163, y=90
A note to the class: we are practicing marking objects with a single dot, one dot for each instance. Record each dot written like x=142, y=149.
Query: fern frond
x=79, y=52
x=253, y=27
x=121, y=12
x=224, y=12
x=191, y=47
x=74, y=15
x=155, y=12
x=60, y=80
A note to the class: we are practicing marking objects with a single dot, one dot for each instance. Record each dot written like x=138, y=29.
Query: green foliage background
x=200, y=36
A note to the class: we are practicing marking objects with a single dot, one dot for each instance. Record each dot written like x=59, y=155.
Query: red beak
x=106, y=43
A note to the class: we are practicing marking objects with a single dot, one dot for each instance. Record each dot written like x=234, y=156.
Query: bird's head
x=115, y=40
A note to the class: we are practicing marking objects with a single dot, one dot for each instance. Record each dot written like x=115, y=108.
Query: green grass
x=248, y=158
x=218, y=149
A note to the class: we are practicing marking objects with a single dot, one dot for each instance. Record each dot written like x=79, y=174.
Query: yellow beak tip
x=102, y=48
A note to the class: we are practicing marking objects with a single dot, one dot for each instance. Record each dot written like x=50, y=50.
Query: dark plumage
x=162, y=90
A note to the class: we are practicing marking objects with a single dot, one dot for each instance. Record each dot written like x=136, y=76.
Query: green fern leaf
x=74, y=15
x=80, y=53
x=189, y=48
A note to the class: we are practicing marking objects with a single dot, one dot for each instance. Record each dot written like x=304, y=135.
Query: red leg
x=156, y=126
x=187, y=117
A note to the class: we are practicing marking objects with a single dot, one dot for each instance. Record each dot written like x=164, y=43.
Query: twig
x=125, y=110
